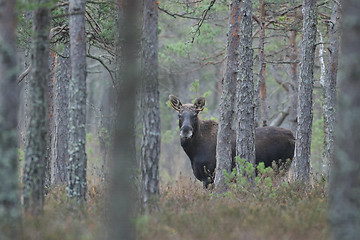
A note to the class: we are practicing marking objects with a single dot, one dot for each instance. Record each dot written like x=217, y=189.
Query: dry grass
x=285, y=212
x=186, y=211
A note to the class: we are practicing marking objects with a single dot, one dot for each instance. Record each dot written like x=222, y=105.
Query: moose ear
x=199, y=104
x=175, y=102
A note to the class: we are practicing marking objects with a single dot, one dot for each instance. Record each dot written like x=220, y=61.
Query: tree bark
x=122, y=162
x=150, y=105
x=245, y=132
x=262, y=117
x=59, y=150
x=10, y=212
x=305, y=99
x=293, y=90
x=344, y=209
x=76, y=178
x=227, y=102
x=33, y=179
x=329, y=88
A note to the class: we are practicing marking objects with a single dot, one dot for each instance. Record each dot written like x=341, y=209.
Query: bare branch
x=174, y=15
x=23, y=75
x=199, y=24
x=104, y=65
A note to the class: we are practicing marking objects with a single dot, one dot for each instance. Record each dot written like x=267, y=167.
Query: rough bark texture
x=329, y=89
x=76, y=182
x=59, y=149
x=121, y=195
x=305, y=99
x=50, y=121
x=262, y=112
x=345, y=178
x=245, y=132
x=10, y=213
x=225, y=131
x=150, y=105
x=34, y=169
x=293, y=89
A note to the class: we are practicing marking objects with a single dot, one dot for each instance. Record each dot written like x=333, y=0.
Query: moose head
x=188, y=115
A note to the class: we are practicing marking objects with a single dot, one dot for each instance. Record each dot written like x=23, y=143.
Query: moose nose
x=186, y=132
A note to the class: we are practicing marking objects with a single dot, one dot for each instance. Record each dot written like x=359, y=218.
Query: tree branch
x=22, y=76
x=199, y=24
x=104, y=65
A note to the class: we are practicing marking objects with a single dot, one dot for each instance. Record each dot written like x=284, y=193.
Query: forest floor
x=270, y=210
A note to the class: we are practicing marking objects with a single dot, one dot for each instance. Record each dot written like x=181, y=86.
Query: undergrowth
x=270, y=208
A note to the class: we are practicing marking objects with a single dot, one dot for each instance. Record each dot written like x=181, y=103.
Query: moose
x=199, y=138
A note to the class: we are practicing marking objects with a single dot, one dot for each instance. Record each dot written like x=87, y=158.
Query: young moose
x=198, y=139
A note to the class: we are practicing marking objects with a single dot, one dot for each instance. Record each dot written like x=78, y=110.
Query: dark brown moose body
x=198, y=139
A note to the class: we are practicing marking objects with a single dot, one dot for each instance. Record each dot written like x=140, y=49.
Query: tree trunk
x=150, y=105
x=345, y=178
x=329, y=89
x=305, y=102
x=262, y=117
x=33, y=179
x=245, y=144
x=76, y=182
x=50, y=121
x=293, y=90
x=226, y=109
x=121, y=195
x=10, y=212
x=59, y=150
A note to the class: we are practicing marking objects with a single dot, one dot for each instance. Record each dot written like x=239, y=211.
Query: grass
x=187, y=211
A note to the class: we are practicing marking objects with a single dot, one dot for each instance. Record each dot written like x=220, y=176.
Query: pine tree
x=305, y=98
x=345, y=178
x=227, y=102
x=10, y=212
x=76, y=180
x=34, y=169
x=150, y=149
x=245, y=132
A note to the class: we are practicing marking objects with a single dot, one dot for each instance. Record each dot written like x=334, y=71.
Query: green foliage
x=21, y=155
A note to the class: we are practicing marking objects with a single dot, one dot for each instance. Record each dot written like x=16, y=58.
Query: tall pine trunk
x=306, y=82
x=34, y=175
x=245, y=132
x=150, y=112
x=329, y=88
x=59, y=149
x=10, y=213
x=345, y=178
x=227, y=102
x=261, y=111
x=293, y=89
x=122, y=162
x=76, y=180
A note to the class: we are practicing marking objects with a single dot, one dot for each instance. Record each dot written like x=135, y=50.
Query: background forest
x=192, y=39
